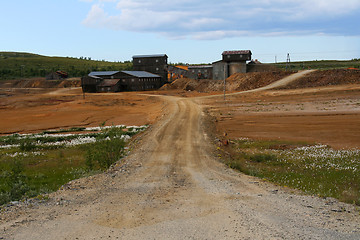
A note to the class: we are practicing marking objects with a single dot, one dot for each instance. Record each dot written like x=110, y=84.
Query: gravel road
x=172, y=187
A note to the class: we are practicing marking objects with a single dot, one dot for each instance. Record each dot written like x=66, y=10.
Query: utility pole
x=275, y=59
x=224, y=87
x=288, y=61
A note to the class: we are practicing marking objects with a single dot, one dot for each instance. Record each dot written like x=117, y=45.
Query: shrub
x=27, y=144
x=263, y=157
x=15, y=182
x=104, y=153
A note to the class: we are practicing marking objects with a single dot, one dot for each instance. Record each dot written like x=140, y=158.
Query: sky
x=188, y=31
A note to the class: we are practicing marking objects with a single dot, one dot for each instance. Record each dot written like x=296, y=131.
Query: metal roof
x=200, y=66
x=236, y=52
x=149, y=56
x=141, y=74
x=106, y=73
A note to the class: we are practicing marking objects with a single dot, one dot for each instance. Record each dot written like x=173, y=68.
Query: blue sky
x=189, y=31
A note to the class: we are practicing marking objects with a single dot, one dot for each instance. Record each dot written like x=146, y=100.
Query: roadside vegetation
x=313, y=169
x=14, y=65
x=35, y=164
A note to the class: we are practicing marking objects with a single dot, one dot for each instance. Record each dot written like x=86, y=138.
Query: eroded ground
x=328, y=115
x=28, y=112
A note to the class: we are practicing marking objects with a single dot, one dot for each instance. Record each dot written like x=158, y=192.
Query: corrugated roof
x=236, y=52
x=106, y=73
x=141, y=74
x=153, y=55
x=200, y=66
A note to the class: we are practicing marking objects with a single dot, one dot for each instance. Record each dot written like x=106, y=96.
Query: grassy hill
x=323, y=64
x=24, y=65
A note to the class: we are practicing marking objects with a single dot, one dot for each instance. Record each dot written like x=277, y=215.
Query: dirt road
x=173, y=188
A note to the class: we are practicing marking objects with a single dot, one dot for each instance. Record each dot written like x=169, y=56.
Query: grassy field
x=24, y=65
x=313, y=169
x=40, y=163
x=323, y=64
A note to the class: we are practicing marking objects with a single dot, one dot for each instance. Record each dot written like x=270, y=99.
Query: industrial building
x=117, y=81
x=156, y=64
x=200, y=72
x=231, y=62
x=152, y=71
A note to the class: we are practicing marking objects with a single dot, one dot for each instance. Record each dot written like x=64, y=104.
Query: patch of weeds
x=104, y=154
x=314, y=169
x=58, y=159
x=263, y=157
x=13, y=182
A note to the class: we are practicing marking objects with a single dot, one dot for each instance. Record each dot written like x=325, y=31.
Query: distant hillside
x=323, y=64
x=24, y=65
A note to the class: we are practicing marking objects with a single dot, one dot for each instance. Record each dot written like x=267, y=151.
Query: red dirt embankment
x=248, y=81
x=40, y=83
x=236, y=82
x=326, y=78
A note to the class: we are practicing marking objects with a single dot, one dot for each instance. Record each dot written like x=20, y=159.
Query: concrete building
x=232, y=62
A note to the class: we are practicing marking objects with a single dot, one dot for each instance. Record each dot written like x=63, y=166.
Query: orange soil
x=66, y=108
x=328, y=115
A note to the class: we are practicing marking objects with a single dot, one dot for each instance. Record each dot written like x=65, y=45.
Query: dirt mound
x=248, y=81
x=326, y=78
x=236, y=82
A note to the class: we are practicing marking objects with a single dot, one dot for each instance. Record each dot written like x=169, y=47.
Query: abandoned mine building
x=200, y=72
x=58, y=75
x=117, y=81
x=156, y=64
x=231, y=62
x=149, y=73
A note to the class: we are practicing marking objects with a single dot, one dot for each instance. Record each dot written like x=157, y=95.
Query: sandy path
x=172, y=187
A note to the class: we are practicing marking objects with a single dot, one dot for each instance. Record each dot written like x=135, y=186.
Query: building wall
x=200, y=72
x=236, y=67
x=152, y=64
x=229, y=57
x=220, y=70
x=89, y=84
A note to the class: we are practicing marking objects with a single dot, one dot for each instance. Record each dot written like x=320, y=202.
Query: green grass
x=323, y=64
x=313, y=169
x=41, y=163
x=25, y=65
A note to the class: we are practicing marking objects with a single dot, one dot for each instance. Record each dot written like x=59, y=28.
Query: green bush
x=27, y=144
x=103, y=154
x=15, y=182
x=263, y=157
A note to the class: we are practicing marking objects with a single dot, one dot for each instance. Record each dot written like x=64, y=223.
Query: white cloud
x=212, y=19
x=96, y=17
